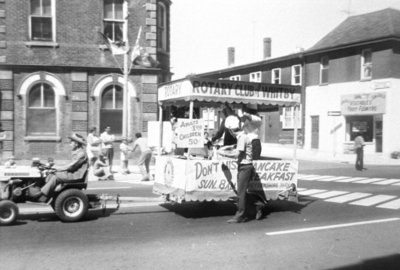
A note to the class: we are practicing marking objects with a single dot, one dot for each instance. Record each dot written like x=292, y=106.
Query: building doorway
x=315, y=132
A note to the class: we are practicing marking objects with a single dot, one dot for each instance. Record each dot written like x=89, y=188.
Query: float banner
x=190, y=133
x=211, y=90
x=211, y=179
x=363, y=104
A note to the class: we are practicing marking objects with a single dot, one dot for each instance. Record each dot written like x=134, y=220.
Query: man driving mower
x=73, y=172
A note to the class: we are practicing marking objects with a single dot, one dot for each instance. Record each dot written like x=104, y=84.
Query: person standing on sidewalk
x=107, y=146
x=359, y=148
x=93, y=147
x=145, y=156
x=124, y=147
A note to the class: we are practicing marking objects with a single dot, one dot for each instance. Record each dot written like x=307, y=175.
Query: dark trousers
x=109, y=153
x=246, y=173
x=360, y=158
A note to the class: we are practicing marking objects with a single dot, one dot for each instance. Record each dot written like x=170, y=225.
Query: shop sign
x=221, y=90
x=363, y=104
x=334, y=113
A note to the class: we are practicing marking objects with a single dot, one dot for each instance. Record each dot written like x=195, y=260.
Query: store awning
x=212, y=90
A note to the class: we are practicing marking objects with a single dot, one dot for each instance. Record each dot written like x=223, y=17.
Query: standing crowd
x=100, y=152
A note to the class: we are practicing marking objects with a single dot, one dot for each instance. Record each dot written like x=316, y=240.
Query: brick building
x=58, y=77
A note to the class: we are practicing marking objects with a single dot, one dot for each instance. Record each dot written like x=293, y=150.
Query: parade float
x=192, y=177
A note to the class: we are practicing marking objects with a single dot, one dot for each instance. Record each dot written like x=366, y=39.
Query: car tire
x=71, y=205
x=8, y=212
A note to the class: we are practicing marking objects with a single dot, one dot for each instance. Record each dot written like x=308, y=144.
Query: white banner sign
x=190, y=133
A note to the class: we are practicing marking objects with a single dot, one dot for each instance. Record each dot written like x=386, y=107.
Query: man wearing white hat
x=74, y=171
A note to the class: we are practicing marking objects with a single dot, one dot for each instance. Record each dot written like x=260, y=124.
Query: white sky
x=202, y=30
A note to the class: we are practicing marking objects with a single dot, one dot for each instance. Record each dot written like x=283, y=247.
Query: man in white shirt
x=145, y=156
x=107, y=145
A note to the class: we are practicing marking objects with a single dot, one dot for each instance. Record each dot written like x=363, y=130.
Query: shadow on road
x=216, y=209
x=391, y=262
x=92, y=214
x=202, y=209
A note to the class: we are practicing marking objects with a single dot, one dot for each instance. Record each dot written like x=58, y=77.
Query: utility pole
x=125, y=108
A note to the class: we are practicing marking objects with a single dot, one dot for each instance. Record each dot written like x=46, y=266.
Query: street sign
x=334, y=113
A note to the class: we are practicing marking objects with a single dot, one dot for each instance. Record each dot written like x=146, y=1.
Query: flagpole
x=125, y=111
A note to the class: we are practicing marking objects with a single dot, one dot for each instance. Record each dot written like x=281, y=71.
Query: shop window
x=41, y=113
x=255, y=76
x=113, y=19
x=276, y=76
x=41, y=20
x=366, y=64
x=111, y=108
x=296, y=75
x=324, y=71
x=234, y=78
x=289, y=114
x=162, y=34
x=362, y=125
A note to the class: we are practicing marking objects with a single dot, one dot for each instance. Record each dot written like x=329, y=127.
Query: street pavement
x=345, y=219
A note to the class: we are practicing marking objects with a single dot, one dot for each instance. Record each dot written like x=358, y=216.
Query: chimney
x=231, y=56
x=267, y=48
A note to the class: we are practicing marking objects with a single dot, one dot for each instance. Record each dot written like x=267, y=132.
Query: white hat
x=232, y=122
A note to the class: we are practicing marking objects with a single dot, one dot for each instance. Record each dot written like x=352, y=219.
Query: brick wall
x=77, y=26
x=78, y=60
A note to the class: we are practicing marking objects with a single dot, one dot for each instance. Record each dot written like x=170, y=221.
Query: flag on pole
x=116, y=48
x=136, y=48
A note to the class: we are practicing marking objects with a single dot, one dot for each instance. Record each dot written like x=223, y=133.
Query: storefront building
x=353, y=86
x=57, y=76
x=350, y=83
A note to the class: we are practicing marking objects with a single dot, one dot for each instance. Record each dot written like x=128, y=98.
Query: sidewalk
x=274, y=151
x=287, y=152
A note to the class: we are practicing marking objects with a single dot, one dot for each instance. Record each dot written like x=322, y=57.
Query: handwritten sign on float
x=190, y=133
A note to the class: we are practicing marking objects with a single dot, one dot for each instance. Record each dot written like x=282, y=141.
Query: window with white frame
x=276, y=76
x=366, y=64
x=111, y=108
x=324, y=70
x=41, y=112
x=113, y=20
x=234, y=78
x=296, y=75
x=255, y=76
x=162, y=35
x=289, y=115
x=41, y=19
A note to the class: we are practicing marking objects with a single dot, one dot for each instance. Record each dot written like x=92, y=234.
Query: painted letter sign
x=363, y=104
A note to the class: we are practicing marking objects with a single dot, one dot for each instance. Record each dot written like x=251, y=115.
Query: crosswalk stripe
x=322, y=177
x=312, y=191
x=373, y=200
x=370, y=180
x=334, y=178
x=308, y=177
x=353, y=179
x=387, y=182
x=348, y=197
x=390, y=205
x=329, y=194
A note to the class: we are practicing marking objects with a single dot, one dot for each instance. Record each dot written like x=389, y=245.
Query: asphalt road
x=314, y=233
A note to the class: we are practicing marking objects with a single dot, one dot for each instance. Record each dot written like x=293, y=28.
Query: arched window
x=111, y=108
x=41, y=116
